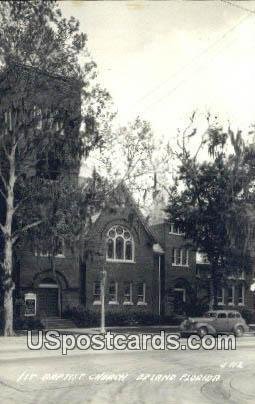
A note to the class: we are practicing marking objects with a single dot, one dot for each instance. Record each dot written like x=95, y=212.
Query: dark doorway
x=48, y=301
x=179, y=300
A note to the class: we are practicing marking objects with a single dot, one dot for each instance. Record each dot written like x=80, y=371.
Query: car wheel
x=239, y=331
x=202, y=331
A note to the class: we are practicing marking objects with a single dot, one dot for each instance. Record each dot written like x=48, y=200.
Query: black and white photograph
x=127, y=202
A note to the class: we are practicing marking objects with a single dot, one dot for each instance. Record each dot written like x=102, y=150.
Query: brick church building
x=149, y=269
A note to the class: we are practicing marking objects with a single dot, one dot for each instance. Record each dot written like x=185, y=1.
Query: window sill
x=97, y=303
x=141, y=304
x=120, y=261
x=176, y=234
x=180, y=265
x=240, y=304
x=220, y=304
x=230, y=304
x=48, y=255
x=202, y=263
x=113, y=303
x=128, y=303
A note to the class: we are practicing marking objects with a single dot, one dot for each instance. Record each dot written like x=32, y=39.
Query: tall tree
x=212, y=200
x=42, y=80
x=133, y=155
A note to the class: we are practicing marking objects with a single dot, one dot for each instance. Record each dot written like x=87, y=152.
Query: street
x=128, y=377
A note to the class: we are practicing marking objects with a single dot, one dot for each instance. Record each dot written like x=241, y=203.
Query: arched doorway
x=48, y=298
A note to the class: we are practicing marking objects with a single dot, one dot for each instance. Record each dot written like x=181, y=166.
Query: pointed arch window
x=120, y=245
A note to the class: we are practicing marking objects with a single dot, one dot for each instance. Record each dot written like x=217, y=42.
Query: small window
x=110, y=246
x=113, y=293
x=59, y=247
x=231, y=295
x=180, y=257
x=141, y=292
x=56, y=249
x=210, y=314
x=128, y=250
x=222, y=315
x=184, y=254
x=127, y=293
x=174, y=229
x=97, y=292
x=231, y=315
x=238, y=315
x=119, y=248
x=240, y=295
x=220, y=297
x=201, y=258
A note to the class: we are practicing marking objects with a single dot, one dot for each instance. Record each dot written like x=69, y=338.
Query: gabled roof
x=121, y=187
x=138, y=212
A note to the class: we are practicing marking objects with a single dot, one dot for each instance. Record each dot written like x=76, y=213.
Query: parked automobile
x=215, y=322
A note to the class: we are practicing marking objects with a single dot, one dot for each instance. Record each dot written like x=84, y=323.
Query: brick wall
x=175, y=276
x=141, y=270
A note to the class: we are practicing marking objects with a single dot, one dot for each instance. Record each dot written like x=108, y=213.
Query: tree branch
x=3, y=179
x=2, y=228
x=3, y=195
x=16, y=235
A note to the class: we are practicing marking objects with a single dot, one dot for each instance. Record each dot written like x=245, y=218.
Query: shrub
x=81, y=317
x=173, y=319
x=30, y=323
x=85, y=318
x=247, y=314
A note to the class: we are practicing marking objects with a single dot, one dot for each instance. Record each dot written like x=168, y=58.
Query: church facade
x=147, y=269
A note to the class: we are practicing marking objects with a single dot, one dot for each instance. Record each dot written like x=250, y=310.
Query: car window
x=231, y=315
x=238, y=315
x=210, y=314
x=222, y=315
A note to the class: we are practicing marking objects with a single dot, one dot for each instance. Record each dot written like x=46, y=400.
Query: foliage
x=212, y=200
x=133, y=155
x=247, y=314
x=86, y=318
x=44, y=130
x=29, y=323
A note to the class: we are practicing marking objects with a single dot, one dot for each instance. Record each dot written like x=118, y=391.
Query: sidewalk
x=153, y=329
x=171, y=329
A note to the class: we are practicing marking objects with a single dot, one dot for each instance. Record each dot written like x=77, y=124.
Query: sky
x=164, y=59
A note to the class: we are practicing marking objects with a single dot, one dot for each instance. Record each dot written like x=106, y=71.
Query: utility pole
x=102, y=287
x=159, y=285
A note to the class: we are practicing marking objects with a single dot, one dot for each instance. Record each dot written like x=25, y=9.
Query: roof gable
x=121, y=198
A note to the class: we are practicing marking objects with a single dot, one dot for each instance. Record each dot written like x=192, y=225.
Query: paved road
x=143, y=377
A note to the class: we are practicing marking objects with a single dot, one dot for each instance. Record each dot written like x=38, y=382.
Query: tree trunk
x=8, y=288
x=8, y=312
x=8, y=249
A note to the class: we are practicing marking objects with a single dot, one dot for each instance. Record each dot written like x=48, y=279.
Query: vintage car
x=215, y=322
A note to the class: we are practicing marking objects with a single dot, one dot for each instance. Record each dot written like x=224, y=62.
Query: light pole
x=102, y=289
x=159, y=285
